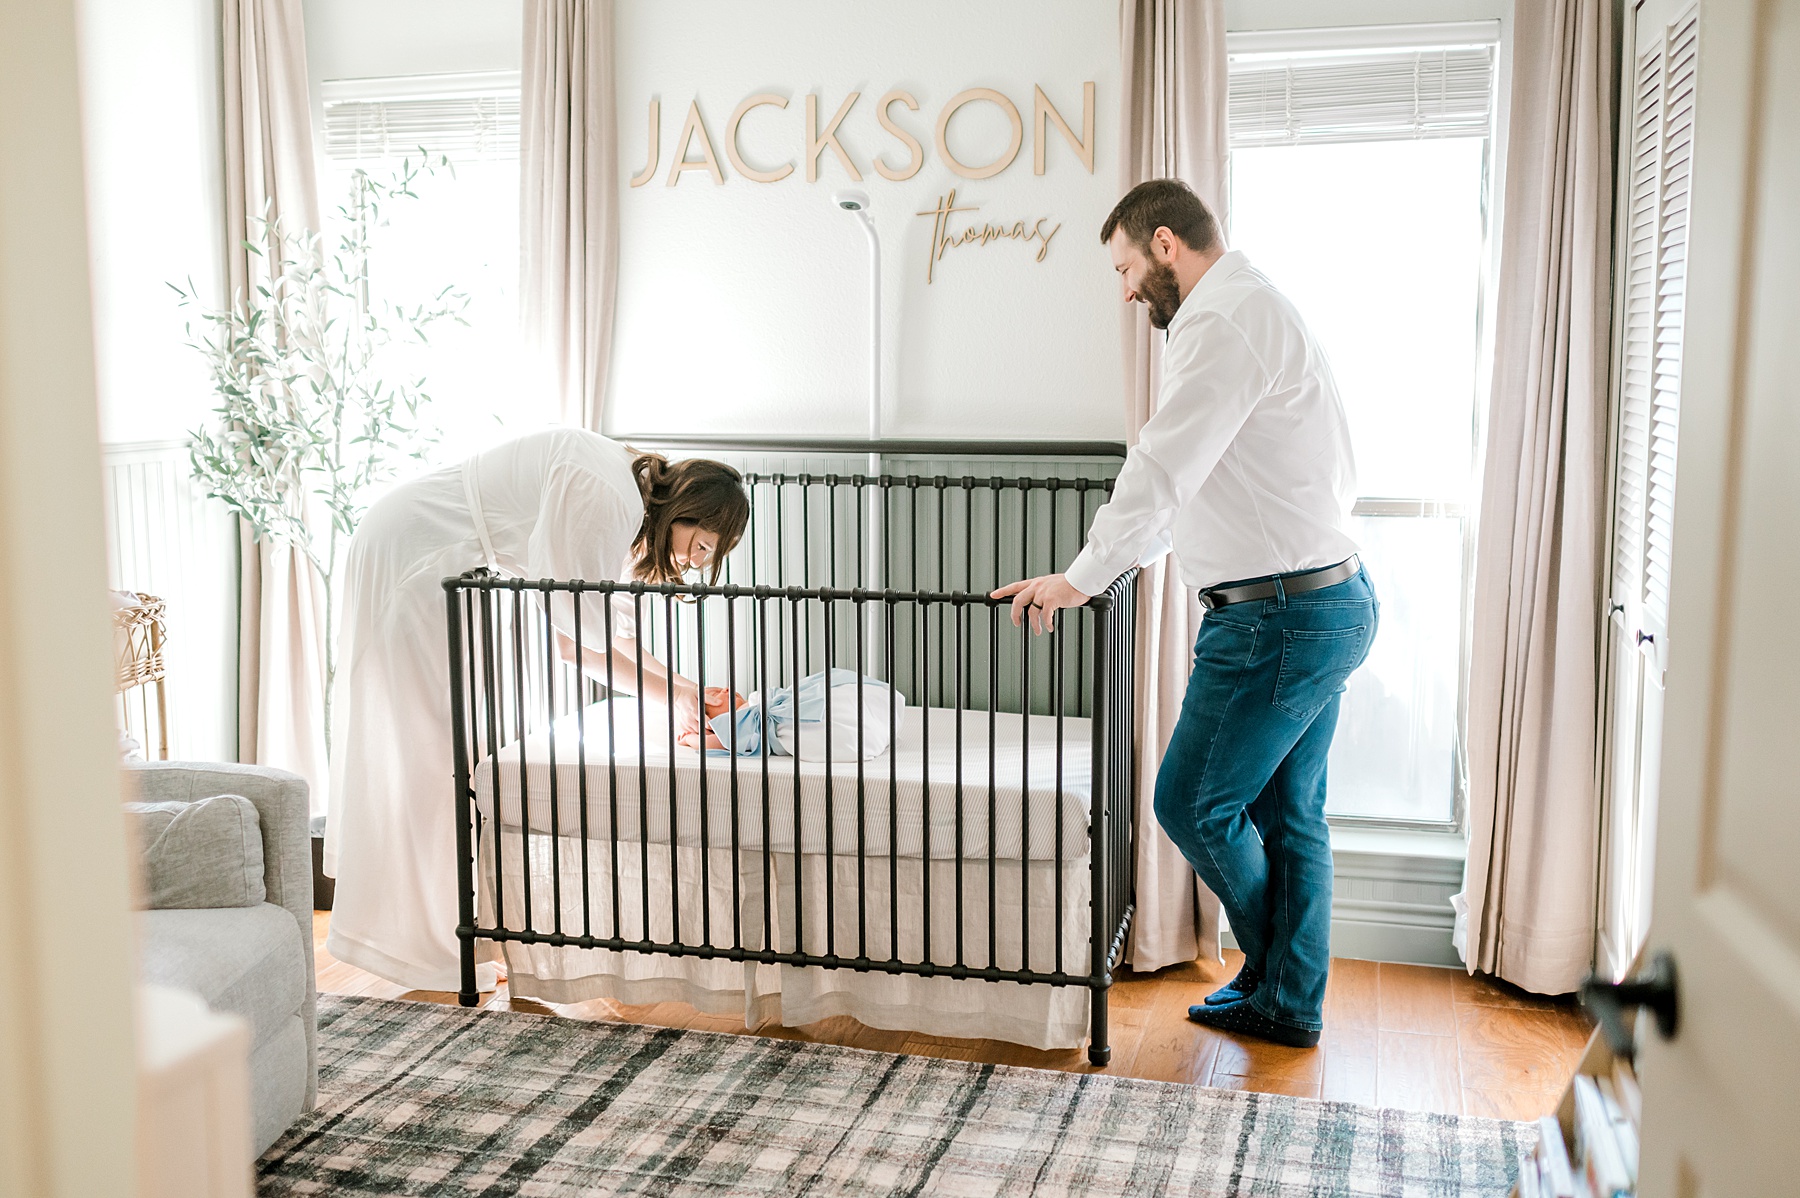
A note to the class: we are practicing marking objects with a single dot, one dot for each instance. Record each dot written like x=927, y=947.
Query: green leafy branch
x=313, y=413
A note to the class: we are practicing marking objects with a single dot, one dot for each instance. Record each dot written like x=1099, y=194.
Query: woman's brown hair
x=711, y=494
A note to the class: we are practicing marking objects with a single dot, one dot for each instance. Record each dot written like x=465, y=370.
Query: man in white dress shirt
x=1245, y=472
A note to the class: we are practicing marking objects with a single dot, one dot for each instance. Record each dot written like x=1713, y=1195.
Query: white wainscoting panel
x=1392, y=904
x=169, y=540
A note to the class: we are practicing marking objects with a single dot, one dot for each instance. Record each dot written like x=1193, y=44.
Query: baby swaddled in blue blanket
x=793, y=721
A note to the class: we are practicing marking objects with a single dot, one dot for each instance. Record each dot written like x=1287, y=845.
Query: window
x=461, y=231
x=1359, y=185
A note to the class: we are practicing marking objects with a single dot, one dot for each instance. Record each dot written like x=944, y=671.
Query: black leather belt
x=1297, y=583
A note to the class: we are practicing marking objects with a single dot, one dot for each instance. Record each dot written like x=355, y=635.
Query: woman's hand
x=696, y=740
x=686, y=706
x=718, y=700
x=695, y=707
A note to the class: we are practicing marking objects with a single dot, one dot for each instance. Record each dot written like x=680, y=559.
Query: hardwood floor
x=1395, y=1035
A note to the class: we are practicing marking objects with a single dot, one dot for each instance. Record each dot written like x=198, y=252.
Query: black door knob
x=1655, y=989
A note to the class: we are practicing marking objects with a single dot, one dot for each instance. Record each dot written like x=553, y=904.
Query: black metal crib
x=563, y=807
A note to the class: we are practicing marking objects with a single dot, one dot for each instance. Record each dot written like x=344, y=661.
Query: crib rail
x=640, y=846
x=918, y=534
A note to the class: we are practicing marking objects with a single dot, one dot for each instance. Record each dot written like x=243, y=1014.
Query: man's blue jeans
x=1241, y=790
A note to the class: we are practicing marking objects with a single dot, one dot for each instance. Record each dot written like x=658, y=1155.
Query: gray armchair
x=253, y=961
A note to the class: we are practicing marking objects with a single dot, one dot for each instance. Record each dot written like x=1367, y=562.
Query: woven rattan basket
x=138, y=630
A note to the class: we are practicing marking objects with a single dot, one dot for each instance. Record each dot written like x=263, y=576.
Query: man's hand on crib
x=1041, y=598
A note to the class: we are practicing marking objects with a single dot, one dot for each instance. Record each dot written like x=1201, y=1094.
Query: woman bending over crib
x=563, y=504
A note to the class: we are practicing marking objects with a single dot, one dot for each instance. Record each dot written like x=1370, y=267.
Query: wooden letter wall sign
x=944, y=239
x=694, y=147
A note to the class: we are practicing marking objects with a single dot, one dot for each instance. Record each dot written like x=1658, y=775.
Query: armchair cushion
x=281, y=805
x=245, y=961
x=200, y=855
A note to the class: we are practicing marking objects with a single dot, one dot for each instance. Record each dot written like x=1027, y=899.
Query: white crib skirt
x=751, y=884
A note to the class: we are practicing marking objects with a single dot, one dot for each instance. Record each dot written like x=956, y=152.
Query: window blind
x=464, y=127
x=1661, y=149
x=1637, y=319
x=1389, y=95
x=1671, y=291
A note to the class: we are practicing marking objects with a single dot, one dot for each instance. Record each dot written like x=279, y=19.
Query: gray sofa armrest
x=283, y=810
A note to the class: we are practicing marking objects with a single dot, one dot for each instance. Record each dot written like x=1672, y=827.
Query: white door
x=1722, y=1098
x=1655, y=159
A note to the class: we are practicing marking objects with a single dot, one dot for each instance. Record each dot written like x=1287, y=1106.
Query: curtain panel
x=1173, y=125
x=269, y=172
x=568, y=202
x=1534, y=680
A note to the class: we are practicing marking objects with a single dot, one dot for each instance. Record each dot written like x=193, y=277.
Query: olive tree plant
x=314, y=409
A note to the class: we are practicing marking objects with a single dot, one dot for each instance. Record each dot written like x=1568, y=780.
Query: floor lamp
x=857, y=202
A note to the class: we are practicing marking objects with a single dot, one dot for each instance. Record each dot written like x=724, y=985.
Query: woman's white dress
x=557, y=504
x=563, y=504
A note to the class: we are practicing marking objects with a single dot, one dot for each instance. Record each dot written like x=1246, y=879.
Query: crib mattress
x=914, y=796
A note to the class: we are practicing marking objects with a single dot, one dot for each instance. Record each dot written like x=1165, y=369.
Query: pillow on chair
x=204, y=854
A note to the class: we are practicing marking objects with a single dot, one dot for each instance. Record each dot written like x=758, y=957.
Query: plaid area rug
x=417, y=1098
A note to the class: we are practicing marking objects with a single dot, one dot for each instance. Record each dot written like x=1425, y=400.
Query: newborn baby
x=717, y=700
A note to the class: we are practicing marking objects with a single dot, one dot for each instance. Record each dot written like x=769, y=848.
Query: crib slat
x=519, y=664
x=961, y=705
x=556, y=907
x=674, y=846
x=705, y=843
x=830, y=639
x=612, y=766
x=894, y=701
x=862, y=834
x=643, y=773
x=993, y=771
x=799, y=834
x=737, y=844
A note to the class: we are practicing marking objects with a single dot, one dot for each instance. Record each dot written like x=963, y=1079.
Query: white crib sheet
x=1027, y=789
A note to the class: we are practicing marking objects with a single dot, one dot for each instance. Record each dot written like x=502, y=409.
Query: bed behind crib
x=988, y=846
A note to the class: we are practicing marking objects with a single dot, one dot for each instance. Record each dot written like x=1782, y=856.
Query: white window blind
x=1638, y=320
x=1376, y=95
x=1671, y=291
x=467, y=119
x=1661, y=149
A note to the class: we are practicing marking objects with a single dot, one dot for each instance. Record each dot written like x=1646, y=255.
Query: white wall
x=743, y=306
x=1309, y=14
x=155, y=167
x=150, y=74
x=361, y=39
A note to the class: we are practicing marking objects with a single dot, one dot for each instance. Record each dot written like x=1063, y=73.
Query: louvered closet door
x=1656, y=149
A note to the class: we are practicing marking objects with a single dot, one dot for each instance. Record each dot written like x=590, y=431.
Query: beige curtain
x=568, y=202
x=1533, y=805
x=1173, y=125
x=269, y=170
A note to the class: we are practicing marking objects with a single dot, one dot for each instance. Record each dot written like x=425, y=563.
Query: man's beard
x=1161, y=293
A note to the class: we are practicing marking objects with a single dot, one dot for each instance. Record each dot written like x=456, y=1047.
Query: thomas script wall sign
x=944, y=238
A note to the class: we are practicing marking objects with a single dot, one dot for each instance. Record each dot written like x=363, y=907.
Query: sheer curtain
x=269, y=172
x=1174, y=87
x=1533, y=802
x=568, y=201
